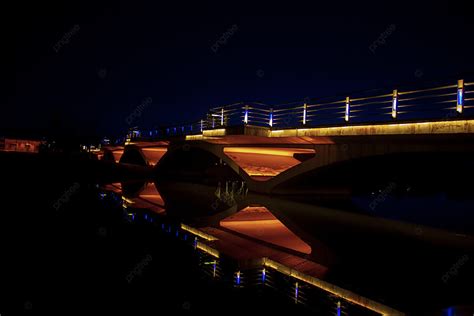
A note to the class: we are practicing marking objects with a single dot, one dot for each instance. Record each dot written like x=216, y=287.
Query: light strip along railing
x=443, y=102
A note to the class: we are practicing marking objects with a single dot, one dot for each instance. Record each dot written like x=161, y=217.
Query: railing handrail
x=353, y=107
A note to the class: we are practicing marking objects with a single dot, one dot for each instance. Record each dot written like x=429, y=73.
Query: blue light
x=163, y=226
x=348, y=109
x=394, y=103
x=304, y=114
x=237, y=278
x=449, y=311
x=177, y=233
x=338, y=308
x=296, y=292
x=185, y=237
x=460, y=96
x=264, y=275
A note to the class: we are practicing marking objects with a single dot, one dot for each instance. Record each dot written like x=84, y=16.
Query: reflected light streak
x=259, y=223
x=197, y=232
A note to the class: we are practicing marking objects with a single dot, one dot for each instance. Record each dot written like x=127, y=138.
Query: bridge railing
x=441, y=102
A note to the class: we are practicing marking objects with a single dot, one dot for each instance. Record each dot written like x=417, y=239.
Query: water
x=388, y=261
x=89, y=253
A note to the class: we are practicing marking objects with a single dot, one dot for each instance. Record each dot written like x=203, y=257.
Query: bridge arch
x=133, y=155
x=199, y=159
x=333, y=156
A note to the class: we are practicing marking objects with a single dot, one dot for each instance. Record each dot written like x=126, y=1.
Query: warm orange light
x=194, y=137
x=214, y=132
x=331, y=288
x=442, y=127
x=262, y=163
x=259, y=223
x=197, y=232
x=275, y=151
x=154, y=154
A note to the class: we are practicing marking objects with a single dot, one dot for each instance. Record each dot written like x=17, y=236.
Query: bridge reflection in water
x=324, y=259
x=219, y=178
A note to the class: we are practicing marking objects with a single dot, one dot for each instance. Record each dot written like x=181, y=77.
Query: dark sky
x=120, y=54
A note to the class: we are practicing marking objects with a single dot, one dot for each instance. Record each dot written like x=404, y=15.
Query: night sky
x=123, y=53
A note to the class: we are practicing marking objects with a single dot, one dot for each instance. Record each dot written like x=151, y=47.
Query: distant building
x=21, y=145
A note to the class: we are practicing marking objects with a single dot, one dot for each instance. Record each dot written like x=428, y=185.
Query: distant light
x=264, y=275
x=338, y=308
x=201, y=125
x=304, y=114
x=296, y=292
x=214, y=269
x=246, y=114
x=394, y=103
x=237, y=278
x=222, y=116
x=460, y=99
x=348, y=109
x=271, y=118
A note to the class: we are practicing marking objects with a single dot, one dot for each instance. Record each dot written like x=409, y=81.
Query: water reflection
x=319, y=247
x=259, y=223
x=142, y=195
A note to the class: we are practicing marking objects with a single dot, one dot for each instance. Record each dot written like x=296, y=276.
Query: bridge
x=270, y=146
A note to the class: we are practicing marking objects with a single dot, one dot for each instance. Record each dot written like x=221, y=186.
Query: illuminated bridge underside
x=267, y=159
x=150, y=153
x=264, y=163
